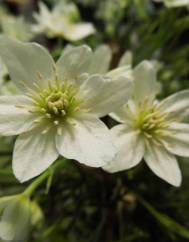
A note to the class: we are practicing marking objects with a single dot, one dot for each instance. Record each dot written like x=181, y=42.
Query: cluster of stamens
x=56, y=102
x=150, y=121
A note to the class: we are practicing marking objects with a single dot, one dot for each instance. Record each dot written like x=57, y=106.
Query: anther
x=48, y=115
x=43, y=110
x=56, y=122
x=37, y=121
x=63, y=112
x=55, y=110
x=59, y=131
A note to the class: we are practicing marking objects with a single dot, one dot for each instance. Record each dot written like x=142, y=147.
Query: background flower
x=62, y=21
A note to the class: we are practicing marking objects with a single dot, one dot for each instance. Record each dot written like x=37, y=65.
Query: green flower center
x=57, y=102
x=151, y=121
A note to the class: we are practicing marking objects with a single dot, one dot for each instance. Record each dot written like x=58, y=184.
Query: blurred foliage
x=81, y=204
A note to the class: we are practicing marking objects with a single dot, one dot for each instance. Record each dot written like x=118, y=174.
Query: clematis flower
x=15, y=27
x=151, y=130
x=59, y=108
x=62, y=21
x=174, y=3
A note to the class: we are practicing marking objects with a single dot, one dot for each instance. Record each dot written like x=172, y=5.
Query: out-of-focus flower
x=59, y=110
x=62, y=21
x=18, y=213
x=174, y=3
x=15, y=27
x=150, y=129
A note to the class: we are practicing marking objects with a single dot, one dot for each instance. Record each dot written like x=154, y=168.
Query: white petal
x=104, y=95
x=125, y=113
x=100, y=60
x=25, y=61
x=87, y=140
x=73, y=62
x=178, y=140
x=130, y=148
x=15, y=120
x=78, y=31
x=33, y=153
x=126, y=59
x=121, y=71
x=177, y=103
x=176, y=3
x=145, y=84
x=163, y=164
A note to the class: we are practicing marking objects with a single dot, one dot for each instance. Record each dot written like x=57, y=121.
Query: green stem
x=29, y=190
x=37, y=182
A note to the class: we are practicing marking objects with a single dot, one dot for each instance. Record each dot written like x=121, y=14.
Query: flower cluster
x=60, y=104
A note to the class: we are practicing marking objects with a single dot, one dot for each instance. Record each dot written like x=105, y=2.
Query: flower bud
x=16, y=217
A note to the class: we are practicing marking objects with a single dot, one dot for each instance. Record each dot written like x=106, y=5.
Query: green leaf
x=166, y=221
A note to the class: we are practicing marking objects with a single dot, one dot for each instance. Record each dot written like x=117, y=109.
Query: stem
x=37, y=182
x=29, y=190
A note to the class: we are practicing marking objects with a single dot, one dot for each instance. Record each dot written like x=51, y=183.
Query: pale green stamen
x=150, y=121
x=57, y=102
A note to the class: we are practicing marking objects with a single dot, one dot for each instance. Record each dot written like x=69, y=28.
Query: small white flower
x=151, y=130
x=62, y=21
x=15, y=27
x=174, y=3
x=60, y=105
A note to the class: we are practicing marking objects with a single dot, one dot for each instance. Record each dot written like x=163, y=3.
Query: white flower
x=151, y=130
x=15, y=27
x=174, y=3
x=62, y=21
x=59, y=108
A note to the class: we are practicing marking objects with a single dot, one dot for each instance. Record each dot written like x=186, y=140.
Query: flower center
x=57, y=102
x=151, y=121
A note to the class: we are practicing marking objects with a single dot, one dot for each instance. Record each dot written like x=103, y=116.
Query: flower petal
x=126, y=59
x=177, y=104
x=100, y=60
x=130, y=148
x=15, y=120
x=33, y=153
x=73, y=62
x=26, y=62
x=87, y=140
x=103, y=95
x=176, y=3
x=178, y=140
x=163, y=164
x=145, y=84
x=125, y=113
x=121, y=71
x=74, y=32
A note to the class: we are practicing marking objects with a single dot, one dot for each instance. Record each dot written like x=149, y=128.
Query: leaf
x=166, y=221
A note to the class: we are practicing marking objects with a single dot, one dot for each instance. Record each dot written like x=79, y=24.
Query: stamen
x=48, y=115
x=59, y=131
x=56, y=122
